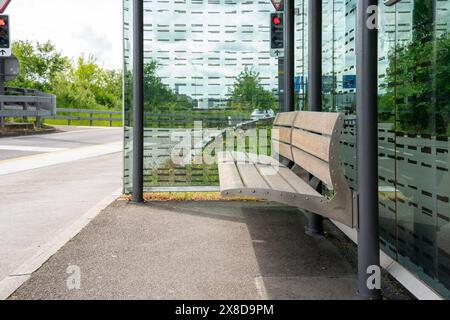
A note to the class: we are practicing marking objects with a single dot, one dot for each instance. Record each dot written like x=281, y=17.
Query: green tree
x=40, y=64
x=418, y=76
x=156, y=95
x=86, y=85
x=248, y=93
x=422, y=92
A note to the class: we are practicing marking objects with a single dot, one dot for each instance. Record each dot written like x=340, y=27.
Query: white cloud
x=75, y=26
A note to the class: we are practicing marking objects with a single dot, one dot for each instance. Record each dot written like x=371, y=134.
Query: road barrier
x=24, y=103
x=89, y=115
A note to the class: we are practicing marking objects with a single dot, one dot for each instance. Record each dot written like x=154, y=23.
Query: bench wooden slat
x=297, y=183
x=229, y=176
x=274, y=179
x=264, y=160
x=314, y=144
x=285, y=119
x=282, y=134
x=226, y=156
x=251, y=177
x=278, y=182
x=322, y=122
x=317, y=167
x=282, y=149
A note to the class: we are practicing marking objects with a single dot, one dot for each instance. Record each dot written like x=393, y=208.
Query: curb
x=17, y=278
x=23, y=133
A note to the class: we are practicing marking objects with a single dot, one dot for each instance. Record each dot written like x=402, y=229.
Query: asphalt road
x=49, y=181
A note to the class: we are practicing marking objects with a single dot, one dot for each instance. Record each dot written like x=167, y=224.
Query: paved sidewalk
x=192, y=250
x=61, y=178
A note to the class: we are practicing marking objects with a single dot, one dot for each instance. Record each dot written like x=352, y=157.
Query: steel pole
x=281, y=84
x=315, y=221
x=367, y=150
x=2, y=89
x=2, y=75
x=138, y=100
x=289, y=55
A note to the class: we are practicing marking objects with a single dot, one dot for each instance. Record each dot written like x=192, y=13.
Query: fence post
x=69, y=121
x=110, y=119
x=25, y=106
x=38, y=117
x=90, y=119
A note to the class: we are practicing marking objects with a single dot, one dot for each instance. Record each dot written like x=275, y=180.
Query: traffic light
x=4, y=32
x=277, y=31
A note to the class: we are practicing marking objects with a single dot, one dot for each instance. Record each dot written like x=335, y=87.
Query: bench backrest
x=311, y=140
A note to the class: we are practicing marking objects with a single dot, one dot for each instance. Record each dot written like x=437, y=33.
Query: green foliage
x=87, y=85
x=82, y=85
x=156, y=94
x=248, y=93
x=40, y=64
x=422, y=94
x=158, y=97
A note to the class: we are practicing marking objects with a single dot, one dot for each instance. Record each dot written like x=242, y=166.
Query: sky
x=76, y=27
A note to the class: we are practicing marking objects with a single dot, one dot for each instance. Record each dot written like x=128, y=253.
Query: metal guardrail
x=18, y=102
x=149, y=118
x=92, y=115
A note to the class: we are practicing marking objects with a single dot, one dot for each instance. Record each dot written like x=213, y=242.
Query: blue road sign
x=299, y=83
x=349, y=81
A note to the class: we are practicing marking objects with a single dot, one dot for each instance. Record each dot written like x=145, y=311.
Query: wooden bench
x=310, y=140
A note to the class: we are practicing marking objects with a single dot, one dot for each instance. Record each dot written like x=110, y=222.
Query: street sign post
x=5, y=36
x=3, y=5
x=277, y=35
x=278, y=4
x=11, y=68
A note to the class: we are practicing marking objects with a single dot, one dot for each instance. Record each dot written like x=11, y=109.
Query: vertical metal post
x=138, y=100
x=315, y=221
x=289, y=55
x=367, y=149
x=2, y=76
x=281, y=84
x=2, y=89
x=315, y=55
x=2, y=119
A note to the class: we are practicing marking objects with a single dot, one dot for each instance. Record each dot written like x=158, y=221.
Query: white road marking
x=49, y=159
x=29, y=148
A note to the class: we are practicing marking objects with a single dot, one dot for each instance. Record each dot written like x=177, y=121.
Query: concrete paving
x=40, y=203
x=195, y=250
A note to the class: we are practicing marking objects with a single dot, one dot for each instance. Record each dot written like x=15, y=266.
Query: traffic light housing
x=4, y=32
x=277, y=30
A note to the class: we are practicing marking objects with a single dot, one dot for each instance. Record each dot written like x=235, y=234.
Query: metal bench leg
x=315, y=221
x=315, y=224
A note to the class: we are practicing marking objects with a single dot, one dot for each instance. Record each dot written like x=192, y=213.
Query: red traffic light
x=276, y=21
x=2, y=22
